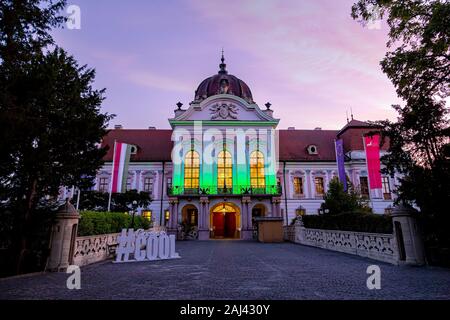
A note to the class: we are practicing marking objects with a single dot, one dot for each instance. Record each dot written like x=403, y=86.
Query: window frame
x=191, y=166
x=257, y=165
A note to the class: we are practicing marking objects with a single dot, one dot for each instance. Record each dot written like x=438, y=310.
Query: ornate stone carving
x=223, y=111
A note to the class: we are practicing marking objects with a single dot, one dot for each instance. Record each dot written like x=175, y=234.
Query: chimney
x=118, y=127
x=318, y=129
x=151, y=128
x=291, y=128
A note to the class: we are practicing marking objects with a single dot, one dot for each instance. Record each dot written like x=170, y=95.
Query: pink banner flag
x=372, y=147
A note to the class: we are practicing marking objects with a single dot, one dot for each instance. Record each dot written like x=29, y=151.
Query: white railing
x=382, y=247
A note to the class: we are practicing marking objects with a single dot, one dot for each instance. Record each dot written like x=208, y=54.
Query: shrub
x=94, y=223
x=351, y=221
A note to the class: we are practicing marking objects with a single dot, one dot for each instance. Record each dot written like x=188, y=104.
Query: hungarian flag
x=121, y=160
x=340, y=159
x=372, y=147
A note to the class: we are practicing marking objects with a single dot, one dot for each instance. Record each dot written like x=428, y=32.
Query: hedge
x=355, y=221
x=94, y=223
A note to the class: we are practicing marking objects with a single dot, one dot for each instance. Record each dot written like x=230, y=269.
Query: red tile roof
x=153, y=145
x=294, y=144
x=156, y=145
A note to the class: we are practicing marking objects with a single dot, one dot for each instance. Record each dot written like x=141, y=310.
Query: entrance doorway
x=225, y=221
x=189, y=223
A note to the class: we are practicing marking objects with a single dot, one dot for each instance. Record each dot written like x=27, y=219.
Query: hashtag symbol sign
x=126, y=245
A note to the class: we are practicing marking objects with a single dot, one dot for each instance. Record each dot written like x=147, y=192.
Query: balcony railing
x=235, y=190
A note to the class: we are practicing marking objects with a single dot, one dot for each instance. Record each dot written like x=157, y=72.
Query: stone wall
x=380, y=247
x=92, y=249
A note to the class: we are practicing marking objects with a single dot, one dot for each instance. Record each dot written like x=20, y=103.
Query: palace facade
x=224, y=163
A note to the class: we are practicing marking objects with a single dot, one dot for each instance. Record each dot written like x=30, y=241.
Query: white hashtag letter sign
x=145, y=246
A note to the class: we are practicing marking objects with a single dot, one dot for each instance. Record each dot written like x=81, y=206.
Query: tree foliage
x=337, y=200
x=418, y=64
x=50, y=118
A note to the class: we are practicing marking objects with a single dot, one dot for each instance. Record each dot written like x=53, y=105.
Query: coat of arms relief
x=223, y=111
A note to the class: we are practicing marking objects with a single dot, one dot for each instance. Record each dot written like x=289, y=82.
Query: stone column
x=64, y=233
x=203, y=222
x=173, y=219
x=410, y=246
x=247, y=232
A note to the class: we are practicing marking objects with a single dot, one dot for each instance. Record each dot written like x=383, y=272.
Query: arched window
x=191, y=170
x=257, y=174
x=224, y=170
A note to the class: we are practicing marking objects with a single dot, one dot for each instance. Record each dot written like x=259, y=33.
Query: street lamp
x=134, y=212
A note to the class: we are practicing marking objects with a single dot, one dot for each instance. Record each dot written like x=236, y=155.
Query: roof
x=156, y=145
x=222, y=82
x=294, y=144
x=356, y=124
x=153, y=145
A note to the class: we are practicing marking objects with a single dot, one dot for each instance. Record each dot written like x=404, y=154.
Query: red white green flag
x=121, y=160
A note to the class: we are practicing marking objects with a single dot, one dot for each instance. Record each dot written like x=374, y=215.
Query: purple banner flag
x=340, y=159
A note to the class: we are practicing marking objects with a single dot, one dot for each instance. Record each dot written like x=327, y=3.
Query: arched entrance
x=189, y=222
x=225, y=221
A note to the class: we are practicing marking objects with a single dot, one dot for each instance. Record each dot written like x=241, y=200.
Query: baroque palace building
x=223, y=163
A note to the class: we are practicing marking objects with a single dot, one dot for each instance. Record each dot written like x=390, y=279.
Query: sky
x=308, y=58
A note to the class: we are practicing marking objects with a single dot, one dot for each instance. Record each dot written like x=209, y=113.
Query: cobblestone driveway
x=238, y=270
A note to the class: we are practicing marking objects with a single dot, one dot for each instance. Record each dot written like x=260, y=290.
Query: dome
x=223, y=83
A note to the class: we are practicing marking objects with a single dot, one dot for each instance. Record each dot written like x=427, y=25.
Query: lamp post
x=134, y=212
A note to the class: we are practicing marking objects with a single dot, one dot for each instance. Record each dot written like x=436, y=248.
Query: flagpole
x=78, y=198
x=112, y=176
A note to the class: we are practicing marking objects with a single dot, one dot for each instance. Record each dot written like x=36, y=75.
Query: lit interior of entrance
x=225, y=221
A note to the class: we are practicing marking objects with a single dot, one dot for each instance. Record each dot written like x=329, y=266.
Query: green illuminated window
x=191, y=170
x=224, y=170
x=257, y=174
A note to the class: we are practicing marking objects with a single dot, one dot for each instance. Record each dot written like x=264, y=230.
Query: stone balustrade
x=92, y=249
x=375, y=246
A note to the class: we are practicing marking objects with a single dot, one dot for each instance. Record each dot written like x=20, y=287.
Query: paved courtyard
x=238, y=270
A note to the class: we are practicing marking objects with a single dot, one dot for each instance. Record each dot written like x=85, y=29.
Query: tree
x=337, y=200
x=419, y=67
x=50, y=119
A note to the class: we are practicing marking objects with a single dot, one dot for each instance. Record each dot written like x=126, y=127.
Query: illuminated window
x=147, y=215
x=318, y=181
x=257, y=174
x=191, y=170
x=167, y=215
x=103, y=185
x=224, y=170
x=386, y=188
x=298, y=186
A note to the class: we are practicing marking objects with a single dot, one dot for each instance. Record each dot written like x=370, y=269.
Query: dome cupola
x=223, y=83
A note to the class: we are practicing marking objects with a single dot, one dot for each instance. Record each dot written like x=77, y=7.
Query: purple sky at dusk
x=307, y=57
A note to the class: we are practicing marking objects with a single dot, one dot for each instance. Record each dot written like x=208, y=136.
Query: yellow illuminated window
x=224, y=170
x=319, y=185
x=257, y=174
x=191, y=170
x=298, y=186
x=147, y=215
